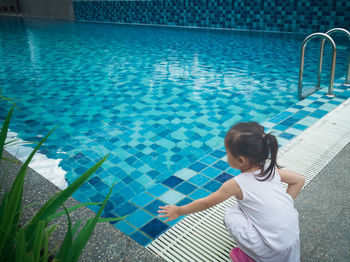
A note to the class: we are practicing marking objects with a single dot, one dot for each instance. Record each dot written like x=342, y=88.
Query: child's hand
x=170, y=211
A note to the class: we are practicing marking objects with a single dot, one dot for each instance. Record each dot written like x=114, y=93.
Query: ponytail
x=271, y=147
x=249, y=140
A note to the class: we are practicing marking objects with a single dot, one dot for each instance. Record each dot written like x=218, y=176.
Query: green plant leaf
x=51, y=229
x=4, y=129
x=109, y=219
x=8, y=99
x=51, y=206
x=9, y=222
x=10, y=142
x=68, y=238
x=11, y=160
x=56, y=215
x=21, y=253
x=38, y=240
x=2, y=207
x=26, y=206
x=45, y=256
x=81, y=239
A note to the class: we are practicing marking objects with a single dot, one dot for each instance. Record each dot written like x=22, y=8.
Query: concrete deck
x=324, y=212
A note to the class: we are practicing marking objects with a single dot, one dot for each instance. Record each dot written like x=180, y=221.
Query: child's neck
x=250, y=169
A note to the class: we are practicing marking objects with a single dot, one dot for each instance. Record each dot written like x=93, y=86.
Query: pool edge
x=107, y=242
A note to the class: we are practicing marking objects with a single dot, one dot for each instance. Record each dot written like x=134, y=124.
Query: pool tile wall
x=208, y=173
x=302, y=16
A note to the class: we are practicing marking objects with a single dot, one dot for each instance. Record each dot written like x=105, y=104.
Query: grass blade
x=38, y=240
x=67, y=241
x=14, y=200
x=51, y=206
x=4, y=129
x=56, y=215
x=45, y=256
x=11, y=160
x=85, y=233
x=10, y=142
x=45, y=244
x=20, y=247
x=109, y=219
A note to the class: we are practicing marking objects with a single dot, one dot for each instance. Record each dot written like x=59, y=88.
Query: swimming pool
x=156, y=98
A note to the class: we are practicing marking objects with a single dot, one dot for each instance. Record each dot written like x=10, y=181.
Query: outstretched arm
x=228, y=189
x=294, y=180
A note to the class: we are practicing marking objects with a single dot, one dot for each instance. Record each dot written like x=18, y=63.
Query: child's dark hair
x=249, y=140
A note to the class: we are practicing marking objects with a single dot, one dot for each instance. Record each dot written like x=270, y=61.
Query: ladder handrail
x=334, y=30
x=301, y=68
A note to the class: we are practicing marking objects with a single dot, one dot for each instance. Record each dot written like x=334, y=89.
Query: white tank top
x=270, y=209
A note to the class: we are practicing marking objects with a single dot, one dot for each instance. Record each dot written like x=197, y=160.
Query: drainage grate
x=203, y=237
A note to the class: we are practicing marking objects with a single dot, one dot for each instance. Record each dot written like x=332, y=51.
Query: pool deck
x=324, y=212
x=323, y=205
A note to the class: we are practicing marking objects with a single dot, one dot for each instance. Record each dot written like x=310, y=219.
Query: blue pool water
x=156, y=99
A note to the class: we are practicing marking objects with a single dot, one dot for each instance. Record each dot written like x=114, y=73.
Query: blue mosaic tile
x=233, y=171
x=94, y=180
x=289, y=121
x=125, y=228
x=184, y=201
x=125, y=209
x=286, y=136
x=154, y=206
x=280, y=16
x=172, y=181
x=221, y=165
x=199, y=180
x=218, y=153
x=171, y=197
x=211, y=172
x=281, y=127
x=185, y=174
x=301, y=127
x=142, y=199
x=212, y=186
x=197, y=166
x=208, y=160
x=140, y=238
x=154, y=228
x=158, y=190
x=186, y=188
x=335, y=102
x=139, y=218
x=301, y=114
x=199, y=193
x=223, y=177
x=316, y=104
x=319, y=113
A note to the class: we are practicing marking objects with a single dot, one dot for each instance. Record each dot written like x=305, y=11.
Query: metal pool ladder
x=324, y=37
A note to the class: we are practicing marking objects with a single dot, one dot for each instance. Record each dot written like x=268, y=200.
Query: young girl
x=264, y=222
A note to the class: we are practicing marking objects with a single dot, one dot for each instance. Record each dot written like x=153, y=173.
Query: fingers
x=164, y=212
x=163, y=209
